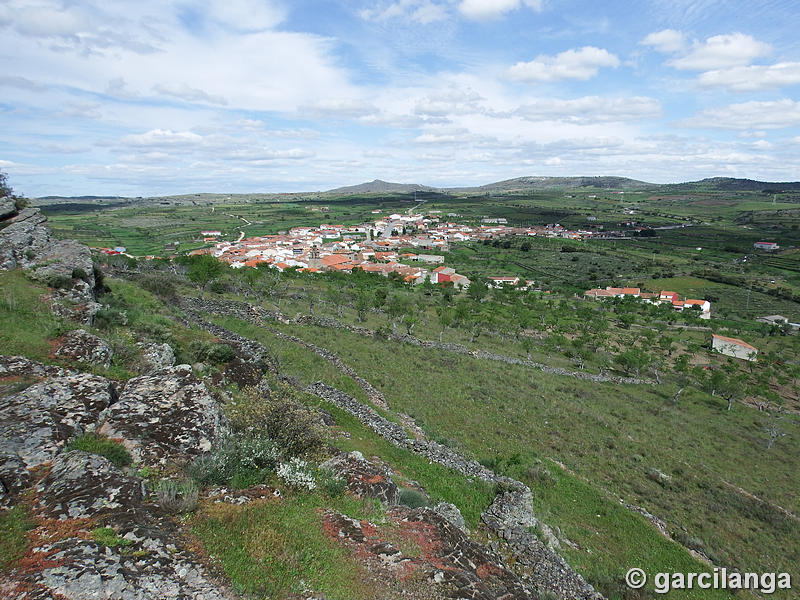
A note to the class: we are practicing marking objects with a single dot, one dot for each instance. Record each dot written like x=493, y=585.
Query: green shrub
x=55, y=280
x=211, y=352
x=160, y=285
x=279, y=416
x=413, y=498
x=106, y=318
x=95, y=444
x=177, y=496
x=241, y=459
x=540, y=474
x=78, y=273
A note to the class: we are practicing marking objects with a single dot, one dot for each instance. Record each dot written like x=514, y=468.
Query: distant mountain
x=382, y=187
x=544, y=183
x=731, y=184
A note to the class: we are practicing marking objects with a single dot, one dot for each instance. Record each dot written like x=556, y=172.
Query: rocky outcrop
x=144, y=559
x=23, y=239
x=75, y=492
x=168, y=416
x=85, y=347
x=426, y=547
x=156, y=357
x=36, y=423
x=26, y=242
x=363, y=478
x=81, y=486
x=8, y=208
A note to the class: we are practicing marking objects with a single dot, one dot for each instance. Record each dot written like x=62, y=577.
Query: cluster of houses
x=663, y=297
x=372, y=247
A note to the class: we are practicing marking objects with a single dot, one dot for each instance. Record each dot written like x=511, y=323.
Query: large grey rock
x=23, y=239
x=37, y=422
x=146, y=563
x=7, y=208
x=65, y=258
x=168, y=416
x=157, y=356
x=452, y=514
x=85, y=347
x=363, y=478
x=81, y=485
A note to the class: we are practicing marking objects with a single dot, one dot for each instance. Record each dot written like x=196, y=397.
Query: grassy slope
x=610, y=435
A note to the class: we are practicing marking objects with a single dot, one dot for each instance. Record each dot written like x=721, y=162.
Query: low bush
x=413, y=498
x=96, y=444
x=241, y=459
x=177, y=496
x=278, y=415
x=295, y=473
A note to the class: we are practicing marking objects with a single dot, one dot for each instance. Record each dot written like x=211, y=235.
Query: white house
x=733, y=347
x=768, y=246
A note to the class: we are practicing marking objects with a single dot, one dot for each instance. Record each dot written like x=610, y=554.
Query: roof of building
x=731, y=340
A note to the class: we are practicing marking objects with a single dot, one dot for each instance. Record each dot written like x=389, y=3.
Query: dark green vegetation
x=95, y=444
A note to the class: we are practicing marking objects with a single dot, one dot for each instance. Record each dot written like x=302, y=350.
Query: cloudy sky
x=163, y=96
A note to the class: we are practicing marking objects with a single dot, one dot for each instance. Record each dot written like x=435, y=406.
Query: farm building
x=768, y=246
x=733, y=347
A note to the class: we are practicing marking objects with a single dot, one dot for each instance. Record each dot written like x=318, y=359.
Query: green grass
x=598, y=430
x=273, y=548
x=108, y=537
x=605, y=532
x=14, y=523
x=26, y=323
x=95, y=444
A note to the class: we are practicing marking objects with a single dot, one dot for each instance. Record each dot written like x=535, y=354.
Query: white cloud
x=722, y=52
x=582, y=63
x=590, y=109
x=777, y=114
x=337, y=109
x=480, y=10
x=754, y=77
x=22, y=83
x=418, y=11
x=666, y=40
x=186, y=92
x=163, y=137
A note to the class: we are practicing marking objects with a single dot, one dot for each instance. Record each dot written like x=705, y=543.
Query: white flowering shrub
x=247, y=457
x=296, y=473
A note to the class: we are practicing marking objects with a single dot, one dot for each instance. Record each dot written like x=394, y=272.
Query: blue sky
x=163, y=97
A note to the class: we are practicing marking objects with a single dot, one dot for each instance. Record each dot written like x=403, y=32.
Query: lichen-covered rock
x=14, y=366
x=85, y=347
x=81, y=485
x=37, y=422
x=451, y=564
x=167, y=416
x=157, y=356
x=363, y=478
x=23, y=239
x=7, y=208
x=452, y=514
x=147, y=560
x=66, y=259
x=151, y=568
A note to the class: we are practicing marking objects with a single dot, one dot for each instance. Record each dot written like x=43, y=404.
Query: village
x=386, y=246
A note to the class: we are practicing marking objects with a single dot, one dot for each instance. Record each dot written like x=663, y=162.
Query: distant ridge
x=543, y=183
x=382, y=187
